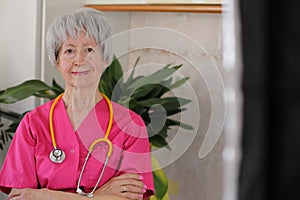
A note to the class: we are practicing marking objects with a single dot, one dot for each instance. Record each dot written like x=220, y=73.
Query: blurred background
x=249, y=49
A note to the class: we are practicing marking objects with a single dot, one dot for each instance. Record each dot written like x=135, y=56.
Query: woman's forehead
x=81, y=38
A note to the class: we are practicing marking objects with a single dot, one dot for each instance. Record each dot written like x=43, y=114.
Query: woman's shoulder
x=121, y=109
x=33, y=120
x=42, y=110
x=122, y=113
x=126, y=117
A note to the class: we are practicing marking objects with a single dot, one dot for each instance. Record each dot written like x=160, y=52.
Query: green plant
x=5, y=137
x=19, y=92
x=141, y=94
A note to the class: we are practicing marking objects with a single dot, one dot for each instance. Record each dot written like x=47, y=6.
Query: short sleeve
x=18, y=169
x=136, y=156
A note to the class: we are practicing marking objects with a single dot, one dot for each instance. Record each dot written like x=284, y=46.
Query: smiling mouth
x=80, y=73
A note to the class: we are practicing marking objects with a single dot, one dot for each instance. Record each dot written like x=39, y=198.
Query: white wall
x=19, y=44
x=19, y=48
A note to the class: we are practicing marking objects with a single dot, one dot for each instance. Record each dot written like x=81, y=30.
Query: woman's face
x=80, y=62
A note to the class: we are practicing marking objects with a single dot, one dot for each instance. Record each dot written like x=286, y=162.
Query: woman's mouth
x=80, y=73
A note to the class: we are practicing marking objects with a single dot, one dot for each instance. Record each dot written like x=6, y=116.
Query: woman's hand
x=126, y=185
x=27, y=194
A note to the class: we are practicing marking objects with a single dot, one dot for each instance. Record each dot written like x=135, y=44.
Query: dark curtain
x=270, y=167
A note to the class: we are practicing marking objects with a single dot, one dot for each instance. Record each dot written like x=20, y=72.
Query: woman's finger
x=129, y=176
x=14, y=192
x=133, y=189
x=132, y=182
x=127, y=185
x=132, y=196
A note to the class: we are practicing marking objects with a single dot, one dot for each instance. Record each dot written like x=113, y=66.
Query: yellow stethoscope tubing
x=105, y=139
x=91, y=147
x=51, y=120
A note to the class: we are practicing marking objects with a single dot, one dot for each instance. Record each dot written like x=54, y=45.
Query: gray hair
x=92, y=21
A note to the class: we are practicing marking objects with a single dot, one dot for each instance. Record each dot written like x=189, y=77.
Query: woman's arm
x=126, y=185
x=46, y=194
x=113, y=190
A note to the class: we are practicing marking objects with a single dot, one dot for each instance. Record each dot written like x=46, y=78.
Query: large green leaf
x=139, y=110
x=159, y=141
x=110, y=77
x=116, y=69
x=160, y=180
x=22, y=91
x=5, y=136
x=172, y=111
x=45, y=94
x=179, y=83
x=50, y=94
x=152, y=90
x=57, y=88
x=174, y=102
x=13, y=126
x=156, y=77
x=131, y=76
x=157, y=90
x=172, y=122
x=172, y=105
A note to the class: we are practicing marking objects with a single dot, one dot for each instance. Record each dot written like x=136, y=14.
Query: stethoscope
x=57, y=155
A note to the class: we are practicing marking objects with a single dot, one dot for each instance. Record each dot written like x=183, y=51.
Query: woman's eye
x=69, y=51
x=90, y=50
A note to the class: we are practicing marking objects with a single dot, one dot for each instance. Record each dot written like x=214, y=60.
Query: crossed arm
x=112, y=190
x=39, y=194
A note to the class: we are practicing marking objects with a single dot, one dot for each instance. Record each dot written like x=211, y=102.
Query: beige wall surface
x=194, y=40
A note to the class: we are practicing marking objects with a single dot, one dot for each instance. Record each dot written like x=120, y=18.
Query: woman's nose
x=79, y=58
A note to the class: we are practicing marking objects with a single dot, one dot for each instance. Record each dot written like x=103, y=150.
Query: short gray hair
x=92, y=21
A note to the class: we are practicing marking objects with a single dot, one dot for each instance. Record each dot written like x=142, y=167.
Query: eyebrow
x=84, y=45
x=68, y=45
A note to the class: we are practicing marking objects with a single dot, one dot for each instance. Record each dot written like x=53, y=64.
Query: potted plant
x=138, y=93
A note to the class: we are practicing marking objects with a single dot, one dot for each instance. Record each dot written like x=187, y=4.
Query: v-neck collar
x=92, y=115
x=92, y=120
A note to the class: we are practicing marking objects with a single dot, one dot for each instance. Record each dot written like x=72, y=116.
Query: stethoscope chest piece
x=57, y=155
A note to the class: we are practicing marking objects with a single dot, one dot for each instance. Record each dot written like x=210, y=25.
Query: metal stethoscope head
x=58, y=155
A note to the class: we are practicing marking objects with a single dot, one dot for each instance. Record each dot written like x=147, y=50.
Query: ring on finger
x=124, y=189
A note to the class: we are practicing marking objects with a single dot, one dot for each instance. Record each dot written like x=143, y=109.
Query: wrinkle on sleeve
x=136, y=155
x=18, y=169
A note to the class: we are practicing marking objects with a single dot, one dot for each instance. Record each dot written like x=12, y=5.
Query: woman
x=43, y=164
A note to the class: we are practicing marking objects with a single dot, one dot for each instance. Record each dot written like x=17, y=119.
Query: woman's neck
x=79, y=102
x=78, y=98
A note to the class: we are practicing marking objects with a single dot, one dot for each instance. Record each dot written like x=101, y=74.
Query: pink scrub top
x=27, y=164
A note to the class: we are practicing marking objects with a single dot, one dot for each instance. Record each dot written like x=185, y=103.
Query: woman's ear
x=57, y=64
